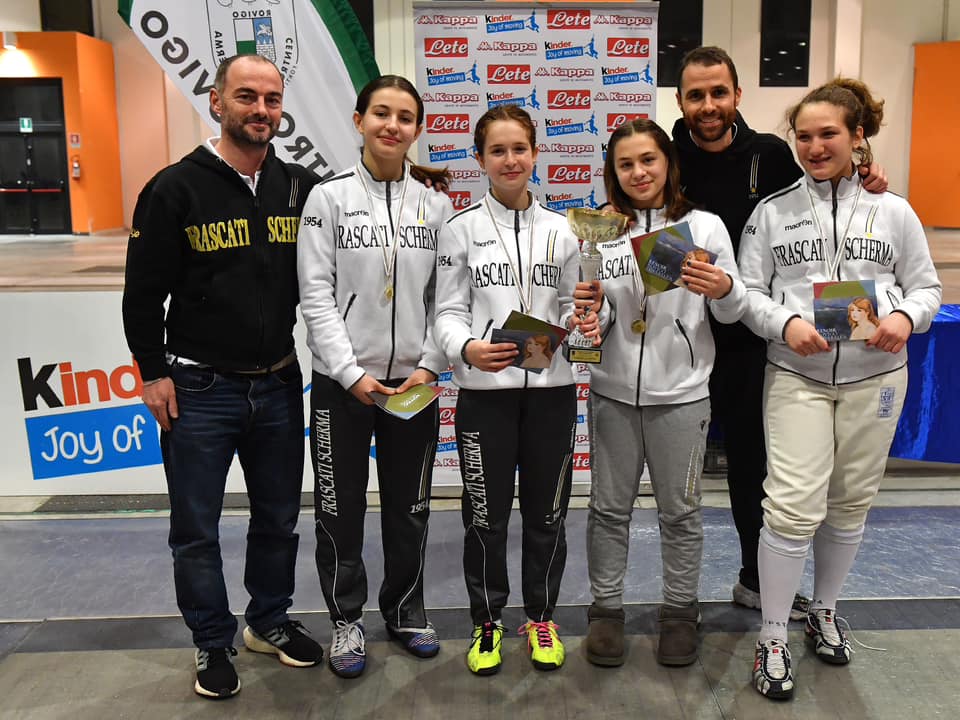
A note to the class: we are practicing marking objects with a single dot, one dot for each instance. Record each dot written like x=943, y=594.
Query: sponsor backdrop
x=579, y=71
x=307, y=39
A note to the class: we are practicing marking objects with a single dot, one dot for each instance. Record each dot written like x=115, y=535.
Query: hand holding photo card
x=845, y=310
x=406, y=404
x=536, y=340
x=535, y=350
x=670, y=250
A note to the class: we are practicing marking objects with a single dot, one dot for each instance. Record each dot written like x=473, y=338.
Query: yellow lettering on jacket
x=220, y=235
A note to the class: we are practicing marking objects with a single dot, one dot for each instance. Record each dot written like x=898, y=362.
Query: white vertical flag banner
x=318, y=46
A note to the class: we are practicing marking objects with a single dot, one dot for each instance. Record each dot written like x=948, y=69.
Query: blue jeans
x=260, y=418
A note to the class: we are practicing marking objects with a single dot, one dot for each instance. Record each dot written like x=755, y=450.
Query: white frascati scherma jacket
x=783, y=253
x=476, y=289
x=352, y=327
x=669, y=363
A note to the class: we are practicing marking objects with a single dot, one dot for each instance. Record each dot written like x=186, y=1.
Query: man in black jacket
x=216, y=234
x=728, y=168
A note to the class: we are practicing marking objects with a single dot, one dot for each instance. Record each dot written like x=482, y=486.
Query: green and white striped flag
x=318, y=45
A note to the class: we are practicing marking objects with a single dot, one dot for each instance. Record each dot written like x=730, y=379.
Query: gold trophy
x=592, y=227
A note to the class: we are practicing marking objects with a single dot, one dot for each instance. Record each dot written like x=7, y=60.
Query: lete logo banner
x=318, y=46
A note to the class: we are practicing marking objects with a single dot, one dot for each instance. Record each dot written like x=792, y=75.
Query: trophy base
x=589, y=355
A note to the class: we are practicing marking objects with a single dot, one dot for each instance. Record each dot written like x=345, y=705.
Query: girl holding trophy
x=366, y=256
x=508, y=253
x=649, y=397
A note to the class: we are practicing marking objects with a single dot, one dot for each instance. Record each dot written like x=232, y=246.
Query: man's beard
x=698, y=133
x=239, y=133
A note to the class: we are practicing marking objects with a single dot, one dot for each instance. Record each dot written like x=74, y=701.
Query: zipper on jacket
x=684, y=333
x=393, y=300
x=516, y=237
x=486, y=328
x=836, y=249
x=259, y=252
x=353, y=297
x=643, y=338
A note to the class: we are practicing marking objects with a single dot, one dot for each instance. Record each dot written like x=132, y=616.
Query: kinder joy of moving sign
x=88, y=432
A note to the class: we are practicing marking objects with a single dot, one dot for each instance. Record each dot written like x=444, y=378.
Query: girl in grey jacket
x=649, y=397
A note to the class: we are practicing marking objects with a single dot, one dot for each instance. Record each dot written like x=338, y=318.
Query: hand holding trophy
x=592, y=227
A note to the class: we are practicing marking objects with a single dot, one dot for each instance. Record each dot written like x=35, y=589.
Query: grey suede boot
x=605, y=636
x=679, y=640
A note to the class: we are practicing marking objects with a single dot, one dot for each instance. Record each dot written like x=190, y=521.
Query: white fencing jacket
x=787, y=246
x=353, y=327
x=476, y=288
x=669, y=363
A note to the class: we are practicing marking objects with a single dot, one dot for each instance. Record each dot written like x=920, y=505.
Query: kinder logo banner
x=318, y=46
x=574, y=70
x=90, y=438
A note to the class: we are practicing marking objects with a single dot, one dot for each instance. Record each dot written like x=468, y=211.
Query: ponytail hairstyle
x=675, y=203
x=417, y=172
x=859, y=107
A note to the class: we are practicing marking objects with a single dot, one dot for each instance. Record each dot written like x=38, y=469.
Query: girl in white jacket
x=649, y=397
x=831, y=408
x=366, y=257
x=508, y=252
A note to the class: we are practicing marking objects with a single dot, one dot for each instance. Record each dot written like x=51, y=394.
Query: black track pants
x=499, y=431
x=340, y=431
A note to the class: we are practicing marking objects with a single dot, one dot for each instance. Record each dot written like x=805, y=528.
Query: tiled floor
x=92, y=631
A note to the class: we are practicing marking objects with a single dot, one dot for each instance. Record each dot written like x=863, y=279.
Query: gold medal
x=388, y=292
x=638, y=326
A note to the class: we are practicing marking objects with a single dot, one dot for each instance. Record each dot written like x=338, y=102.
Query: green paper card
x=406, y=404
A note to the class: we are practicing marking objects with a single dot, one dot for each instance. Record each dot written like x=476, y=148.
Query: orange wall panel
x=85, y=66
x=934, y=154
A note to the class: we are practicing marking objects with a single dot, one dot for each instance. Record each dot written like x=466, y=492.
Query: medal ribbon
x=525, y=303
x=389, y=261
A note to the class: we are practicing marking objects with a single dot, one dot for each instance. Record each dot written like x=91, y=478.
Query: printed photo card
x=536, y=340
x=845, y=310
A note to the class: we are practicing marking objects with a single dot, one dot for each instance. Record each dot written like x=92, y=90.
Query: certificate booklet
x=845, y=310
x=536, y=340
x=671, y=249
x=406, y=404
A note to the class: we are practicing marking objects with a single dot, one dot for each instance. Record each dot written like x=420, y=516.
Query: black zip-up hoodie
x=730, y=183
x=226, y=258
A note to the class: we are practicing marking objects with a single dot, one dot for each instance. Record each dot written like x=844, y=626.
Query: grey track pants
x=671, y=440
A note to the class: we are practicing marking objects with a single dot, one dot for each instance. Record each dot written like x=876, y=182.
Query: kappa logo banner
x=577, y=71
x=318, y=46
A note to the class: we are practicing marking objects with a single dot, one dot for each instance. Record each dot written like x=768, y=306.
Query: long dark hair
x=675, y=204
x=417, y=172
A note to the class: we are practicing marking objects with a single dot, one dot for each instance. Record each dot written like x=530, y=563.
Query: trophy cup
x=592, y=227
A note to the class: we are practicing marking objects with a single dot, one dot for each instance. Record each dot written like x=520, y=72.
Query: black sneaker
x=826, y=638
x=772, y=671
x=289, y=642
x=216, y=677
